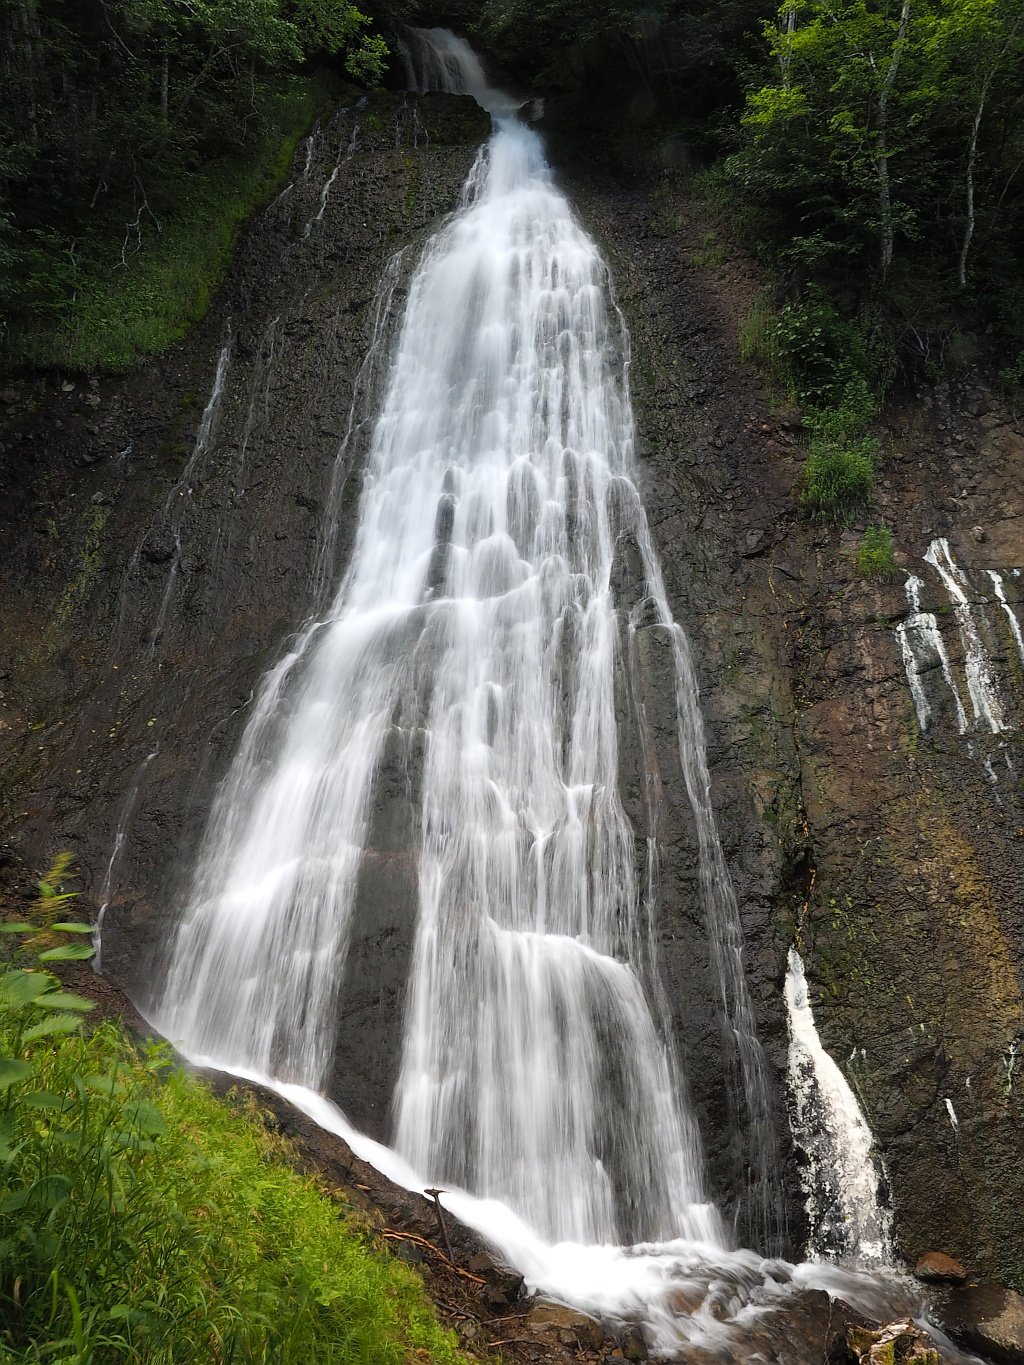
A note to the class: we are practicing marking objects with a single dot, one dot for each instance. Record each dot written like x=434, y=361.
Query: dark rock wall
x=892, y=857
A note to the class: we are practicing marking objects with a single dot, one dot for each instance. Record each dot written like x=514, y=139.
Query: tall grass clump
x=876, y=556
x=143, y=1220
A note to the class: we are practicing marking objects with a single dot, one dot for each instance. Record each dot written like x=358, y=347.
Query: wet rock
x=569, y=1325
x=936, y=1266
x=634, y=1347
x=159, y=547
x=988, y=1319
x=979, y=534
x=894, y=1344
x=503, y=1285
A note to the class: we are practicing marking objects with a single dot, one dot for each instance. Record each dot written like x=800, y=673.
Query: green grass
x=758, y=340
x=875, y=557
x=838, y=478
x=122, y=314
x=142, y=1220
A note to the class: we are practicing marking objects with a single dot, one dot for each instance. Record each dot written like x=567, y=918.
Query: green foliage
x=817, y=357
x=133, y=140
x=838, y=478
x=879, y=153
x=123, y=308
x=142, y=1220
x=758, y=339
x=875, y=558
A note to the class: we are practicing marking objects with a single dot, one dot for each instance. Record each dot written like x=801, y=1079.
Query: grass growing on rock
x=139, y=290
x=142, y=1220
x=876, y=554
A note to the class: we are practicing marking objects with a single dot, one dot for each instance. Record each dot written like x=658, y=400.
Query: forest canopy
x=870, y=150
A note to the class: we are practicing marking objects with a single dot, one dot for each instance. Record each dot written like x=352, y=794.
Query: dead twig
x=392, y=1235
x=435, y=1195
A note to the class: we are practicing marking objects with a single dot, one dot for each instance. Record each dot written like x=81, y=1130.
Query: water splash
x=841, y=1182
x=920, y=643
x=980, y=684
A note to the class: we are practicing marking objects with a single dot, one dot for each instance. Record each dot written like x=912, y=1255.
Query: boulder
x=935, y=1267
x=897, y=1343
x=634, y=1347
x=569, y=1325
x=988, y=1319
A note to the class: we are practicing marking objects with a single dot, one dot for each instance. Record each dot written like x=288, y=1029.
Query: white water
x=478, y=621
x=848, y=1217
x=920, y=643
x=1011, y=615
x=344, y=156
x=980, y=684
x=180, y=496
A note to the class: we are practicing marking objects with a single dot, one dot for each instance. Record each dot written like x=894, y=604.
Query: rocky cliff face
x=162, y=540
x=894, y=856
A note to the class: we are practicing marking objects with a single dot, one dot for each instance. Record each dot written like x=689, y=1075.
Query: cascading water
x=980, y=685
x=478, y=609
x=847, y=1215
x=482, y=631
x=921, y=644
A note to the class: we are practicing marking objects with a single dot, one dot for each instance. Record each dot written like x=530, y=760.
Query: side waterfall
x=488, y=627
x=848, y=1218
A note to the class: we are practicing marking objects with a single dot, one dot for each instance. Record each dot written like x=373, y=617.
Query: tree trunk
x=164, y=87
x=786, y=52
x=881, y=142
x=961, y=274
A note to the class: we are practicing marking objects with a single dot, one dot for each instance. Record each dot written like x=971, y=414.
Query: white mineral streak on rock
x=980, y=684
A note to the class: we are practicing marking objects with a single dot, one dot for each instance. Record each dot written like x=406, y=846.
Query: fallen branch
x=392, y=1235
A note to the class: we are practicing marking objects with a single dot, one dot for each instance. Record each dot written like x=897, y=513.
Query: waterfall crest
x=482, y=630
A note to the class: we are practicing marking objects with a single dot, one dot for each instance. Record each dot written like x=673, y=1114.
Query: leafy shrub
x=875, y=558
x=144, y=1221
x=838, y=478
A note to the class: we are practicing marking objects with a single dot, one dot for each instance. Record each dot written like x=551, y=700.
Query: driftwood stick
x=435, y=1195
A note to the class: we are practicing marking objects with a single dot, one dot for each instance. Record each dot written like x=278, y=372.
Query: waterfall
x=848, y=1218
x=920, y=644
x=180, y=497
x=493, y=634
x=1011, y=615
x=478, y=621
x=980, y=685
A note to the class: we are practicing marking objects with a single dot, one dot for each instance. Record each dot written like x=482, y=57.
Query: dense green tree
x=886, y=145
x=106, y=104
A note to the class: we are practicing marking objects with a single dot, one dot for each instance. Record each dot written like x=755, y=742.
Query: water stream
x=489, y=630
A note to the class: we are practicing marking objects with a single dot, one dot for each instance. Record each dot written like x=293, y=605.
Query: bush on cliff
x=144, y=1221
